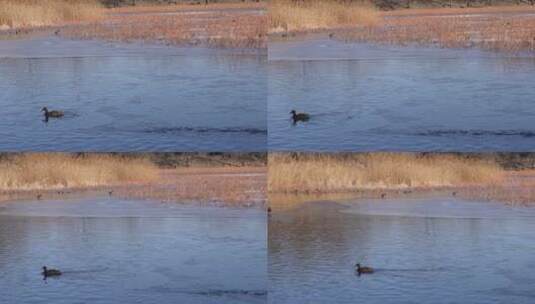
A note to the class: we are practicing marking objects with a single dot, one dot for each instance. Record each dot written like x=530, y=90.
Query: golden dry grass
x=58, y=170
x=510, y=29
x=32, y=13
x=295, y=16
x=321, y=173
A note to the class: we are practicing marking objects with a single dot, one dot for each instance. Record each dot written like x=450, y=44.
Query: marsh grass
x=323, y=173
x=59, y=170
x=291, y=16
x=506, y=29
x=33, y=13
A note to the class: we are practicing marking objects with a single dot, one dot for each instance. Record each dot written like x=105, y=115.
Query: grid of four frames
x=313, y=151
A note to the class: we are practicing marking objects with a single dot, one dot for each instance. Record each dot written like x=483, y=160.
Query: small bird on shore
x=39, y=196
x=50, y=272
x=110, y=193
x=52, y=114
x=269, y=211
x=363, y=269
x=383, y=195
x=299, y=116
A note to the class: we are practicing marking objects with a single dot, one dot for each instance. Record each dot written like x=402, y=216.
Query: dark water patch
x=489, y=133
x=178, y=130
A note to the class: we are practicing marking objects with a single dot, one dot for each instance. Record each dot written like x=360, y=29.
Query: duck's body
x=363, y=269
x=52, y=114
x=299, y=116
x=50, y=272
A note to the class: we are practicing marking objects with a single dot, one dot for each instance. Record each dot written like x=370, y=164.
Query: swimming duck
x=53, y=114
x=299, y=116
x=50, y=272
x=363, y=269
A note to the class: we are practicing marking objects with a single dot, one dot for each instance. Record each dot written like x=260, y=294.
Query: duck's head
x=44, y=268
x=44, y=109
x=293, y=112
x=357, y=265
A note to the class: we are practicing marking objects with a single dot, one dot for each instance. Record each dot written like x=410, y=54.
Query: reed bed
x=59, y=170
x=211, y=26
x=296, y=16
x=324, y=173
x=35, y=13
x=506, y=29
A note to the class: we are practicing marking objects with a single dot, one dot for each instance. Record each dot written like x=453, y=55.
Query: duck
x=299, y=116
x=50, y=272
x=52, y=114
x=363, y=269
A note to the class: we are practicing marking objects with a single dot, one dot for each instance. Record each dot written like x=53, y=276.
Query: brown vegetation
x=220, y=25
x=31, y=13
x=227, y=179
x=510, y=29
x=58, y=171
x=296, y=16
x=324, y=173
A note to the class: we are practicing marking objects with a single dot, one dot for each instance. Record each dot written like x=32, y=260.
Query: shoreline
x=217, y=25
x=213, y=186
x=507, y=29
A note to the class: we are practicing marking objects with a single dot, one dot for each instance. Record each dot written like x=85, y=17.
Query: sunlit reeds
x=31, y=13
x=59, y=170
x=290, y=15
x=323, y=173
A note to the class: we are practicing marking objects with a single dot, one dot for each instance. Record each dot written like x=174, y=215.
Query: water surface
x=113, y=251
x=366, y=98
x=130, y=97
x=423, y=251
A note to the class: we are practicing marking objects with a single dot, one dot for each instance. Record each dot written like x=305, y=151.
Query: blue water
x=121, y=97
x=369, y=98
x=114, y=251
x=423, y=251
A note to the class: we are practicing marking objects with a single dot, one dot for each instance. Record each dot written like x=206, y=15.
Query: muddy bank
x=506, y=29
x=207, y=178
x=217, y=186
x=225, y=25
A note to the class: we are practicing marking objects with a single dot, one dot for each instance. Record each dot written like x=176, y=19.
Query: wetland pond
x=423, y=251
x=364, y=97
x=115, y=251
x=130, y=97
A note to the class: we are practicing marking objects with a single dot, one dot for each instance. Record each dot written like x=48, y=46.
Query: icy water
x=113, y=251
x=130, y=97
x=423, y=251
x=367, y=98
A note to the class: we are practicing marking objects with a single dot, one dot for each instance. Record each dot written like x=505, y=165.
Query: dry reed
x=290, y=16
x=321, y=173
x=34, y=13
x=510, y=29
x=58, y=170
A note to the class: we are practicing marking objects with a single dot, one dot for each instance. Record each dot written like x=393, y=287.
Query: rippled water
x=368, y=98
x=423, y=251
x=113, y=251
x=130, y=97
